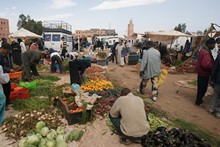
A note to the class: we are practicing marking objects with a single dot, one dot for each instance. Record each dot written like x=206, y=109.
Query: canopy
x=166, y=37
x=23, y=33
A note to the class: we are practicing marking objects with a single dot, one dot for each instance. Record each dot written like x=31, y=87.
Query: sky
x=147, y=15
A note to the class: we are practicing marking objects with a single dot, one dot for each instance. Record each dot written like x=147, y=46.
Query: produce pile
x=98, y=84
x=72, y=106
x=17, y=68
x=187, y=67
x=156, y=122
x=42, y=136
x=110, y=93
x=94, y=69
x=19, y=125
x=43, y=68
x=104, y=105
x=95, y=76
x=174, y=137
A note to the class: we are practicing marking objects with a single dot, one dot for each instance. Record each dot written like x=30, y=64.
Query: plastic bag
x=76, y=88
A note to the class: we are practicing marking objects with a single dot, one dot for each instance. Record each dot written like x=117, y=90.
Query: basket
x=21, y=90
x=13, y=96
x=72, y=118
x=15, y=75
x=13, y=85
x=23, y=95
x=29, y=85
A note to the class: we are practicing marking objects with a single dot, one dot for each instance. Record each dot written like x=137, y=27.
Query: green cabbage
x=60, y=130
x=42, y=143
x=59, y=138
x=66, y=137
x=40, y=125
x=33, y=140
x=39, y=136
x=75, y=135
x=51, y=135
x=61, y=144
x=50, y=143
x=30, y=133
x=23, y=142
x=44, y=131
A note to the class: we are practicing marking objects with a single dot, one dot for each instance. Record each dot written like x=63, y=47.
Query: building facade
x=4, y=28
x=92, y=32
x=130, y=28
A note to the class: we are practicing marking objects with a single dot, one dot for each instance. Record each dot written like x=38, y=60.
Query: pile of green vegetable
x=174, y=137
x=156, y=122
x=19, y=125
x=42, y=136
x=43, y=68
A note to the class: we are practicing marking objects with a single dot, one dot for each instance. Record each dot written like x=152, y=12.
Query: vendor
x=5, y=62
x=128, y=116
x=30, y=59
x=4, y=78
x=56, y=60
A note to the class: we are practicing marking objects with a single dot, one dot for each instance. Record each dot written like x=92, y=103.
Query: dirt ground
x=176, y=105
x=180, y=105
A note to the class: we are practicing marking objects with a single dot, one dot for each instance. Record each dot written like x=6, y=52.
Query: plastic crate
x=72, y=118
x=133, y=60
x=102, y=62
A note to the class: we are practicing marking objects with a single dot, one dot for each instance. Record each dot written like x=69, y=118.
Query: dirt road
x=175, y=105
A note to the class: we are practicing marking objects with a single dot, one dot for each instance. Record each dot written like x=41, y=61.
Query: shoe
x=138, y=90
x=217, y=115
x=125, y=141
x=154, y=98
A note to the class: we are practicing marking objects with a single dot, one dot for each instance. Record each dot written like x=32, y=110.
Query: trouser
x=56, y=59
x=116, y=123
x=2, y=107
x=215, y=100
x=202, y=87
x=63, y=53
x=34, y=70
x=114, y=58
x=154, y=88
x=7, y=91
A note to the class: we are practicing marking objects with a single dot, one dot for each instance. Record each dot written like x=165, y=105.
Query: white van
x=53, y=40
x=53, y=31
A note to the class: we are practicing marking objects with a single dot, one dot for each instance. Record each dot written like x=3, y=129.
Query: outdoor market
x=157, y=89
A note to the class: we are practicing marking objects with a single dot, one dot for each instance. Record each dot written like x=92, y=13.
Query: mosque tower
x=130, y=28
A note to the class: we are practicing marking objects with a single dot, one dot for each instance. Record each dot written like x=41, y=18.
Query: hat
x=210, y=41
x=149, y=43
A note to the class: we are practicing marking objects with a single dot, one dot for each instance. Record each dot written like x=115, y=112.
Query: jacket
x=151, y=63
x=215, y=77
x=205, y=62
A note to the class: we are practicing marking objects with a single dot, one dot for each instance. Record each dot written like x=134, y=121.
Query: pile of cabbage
x=42, y=136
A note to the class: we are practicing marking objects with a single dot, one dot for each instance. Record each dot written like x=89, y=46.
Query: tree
x=30, y=24
x=181, y=27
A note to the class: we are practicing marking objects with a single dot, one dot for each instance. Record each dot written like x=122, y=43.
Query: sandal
x=125, y=141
